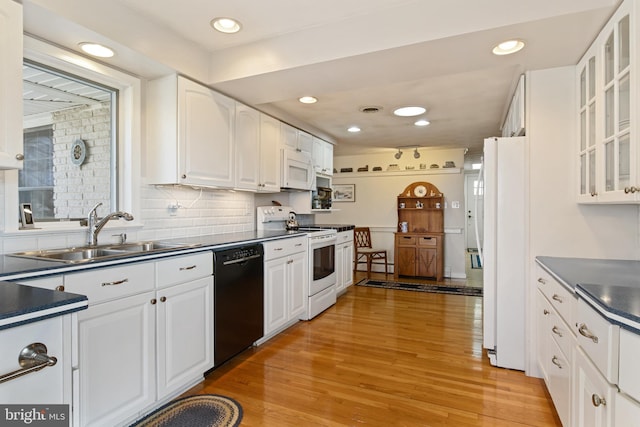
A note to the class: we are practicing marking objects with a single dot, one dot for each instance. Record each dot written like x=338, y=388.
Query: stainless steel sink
x=92, y=253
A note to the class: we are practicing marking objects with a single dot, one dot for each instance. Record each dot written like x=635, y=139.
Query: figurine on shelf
x=419, y=205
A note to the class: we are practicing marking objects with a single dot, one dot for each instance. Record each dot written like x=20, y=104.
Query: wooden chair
x=362, y=245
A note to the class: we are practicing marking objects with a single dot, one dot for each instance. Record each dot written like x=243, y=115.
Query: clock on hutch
x=419, y=241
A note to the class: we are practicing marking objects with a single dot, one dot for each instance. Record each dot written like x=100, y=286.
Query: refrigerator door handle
x=475, y=216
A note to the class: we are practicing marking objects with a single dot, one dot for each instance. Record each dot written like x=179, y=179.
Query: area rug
x=195, y=411
x=475, y=261
x=453, y=290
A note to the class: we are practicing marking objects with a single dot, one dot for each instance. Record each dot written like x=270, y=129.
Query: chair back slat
x=362, y=237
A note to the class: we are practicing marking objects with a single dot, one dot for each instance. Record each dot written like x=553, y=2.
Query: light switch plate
x=455, y=204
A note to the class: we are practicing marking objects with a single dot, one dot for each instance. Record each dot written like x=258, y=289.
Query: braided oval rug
x=195, y=411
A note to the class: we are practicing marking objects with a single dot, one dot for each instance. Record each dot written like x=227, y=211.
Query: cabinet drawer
x=561, y=299
x=110, y=283
x=427, y=241
x=406, y=240
x=629, y=372
x=560, y=332
x=185, y=268
x=55, y=283
x=560, y=382
x=284, y=247
x=599, y=339
x=345, y=236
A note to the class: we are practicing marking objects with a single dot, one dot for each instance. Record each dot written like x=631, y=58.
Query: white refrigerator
x=504, y=253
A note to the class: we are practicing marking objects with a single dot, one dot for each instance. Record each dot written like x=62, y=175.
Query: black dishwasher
x=238, y=300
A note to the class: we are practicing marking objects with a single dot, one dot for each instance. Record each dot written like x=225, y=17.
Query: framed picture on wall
x=344, y=193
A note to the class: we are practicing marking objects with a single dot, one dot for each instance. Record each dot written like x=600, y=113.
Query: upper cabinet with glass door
x=608, y=144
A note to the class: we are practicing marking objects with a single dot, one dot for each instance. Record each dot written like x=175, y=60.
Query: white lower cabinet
x=114, y=369
x=285, y=283
x=146, y=337
x=344, y=261
x=184, y=334
x=593, y=396
x=627, y=411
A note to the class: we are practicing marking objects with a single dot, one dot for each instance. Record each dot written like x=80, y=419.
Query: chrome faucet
x=94, y=225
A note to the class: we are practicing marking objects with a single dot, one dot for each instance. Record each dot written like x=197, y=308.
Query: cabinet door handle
x=153, y=301
x=163, y=299
x=556, y=331
x=557, y=298
x=191, y=267
x=117, y=282
x=32, y=358
x=542, y=281
x=597, y=400
x=585, y=332
x=60, y=288
x=555, y=361
x=545, y=311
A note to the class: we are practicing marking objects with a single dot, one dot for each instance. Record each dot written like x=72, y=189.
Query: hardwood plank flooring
x=382, y=358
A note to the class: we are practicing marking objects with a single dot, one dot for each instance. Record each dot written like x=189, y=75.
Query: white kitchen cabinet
x=11, y=150
x=295, y=139
x=247, y=146
x=556, y=341
x=627, y=411
x=257, y=152
x=270, y=157
x=593, y=396
x=114, y=368
x=344, y=261
x=608, y=157
x=322, y=157
x=191, y=134
x=285, y=283
x=50, y=385
x=184, y=334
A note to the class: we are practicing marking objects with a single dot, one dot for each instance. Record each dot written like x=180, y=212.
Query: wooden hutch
x=419, y=252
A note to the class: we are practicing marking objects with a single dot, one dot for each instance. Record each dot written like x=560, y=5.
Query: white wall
x=376, y=193
x=558, y=225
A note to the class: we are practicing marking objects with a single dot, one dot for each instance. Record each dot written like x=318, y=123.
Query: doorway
x=474, y=194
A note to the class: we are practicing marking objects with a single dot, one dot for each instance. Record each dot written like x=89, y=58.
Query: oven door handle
x=322, y=241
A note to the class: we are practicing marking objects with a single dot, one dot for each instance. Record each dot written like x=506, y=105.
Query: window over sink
x=106, y=85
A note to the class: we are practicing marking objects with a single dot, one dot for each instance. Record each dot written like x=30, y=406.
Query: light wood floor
x=382, y=358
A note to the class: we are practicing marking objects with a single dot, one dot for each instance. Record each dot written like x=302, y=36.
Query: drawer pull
x=191, y=267
x=545, y=311
x=278, y=249
x=556, y=331
x=117, y=282
x=541, y=280
x=555, y=361
x=60, y=288
x=597, y=400
x=557, y=298
x=585, y=332
x=298, y=244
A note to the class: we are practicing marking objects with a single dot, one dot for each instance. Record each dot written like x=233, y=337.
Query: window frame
x=128, y=113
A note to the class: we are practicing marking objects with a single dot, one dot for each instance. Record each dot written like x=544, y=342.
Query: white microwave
x=297, y=170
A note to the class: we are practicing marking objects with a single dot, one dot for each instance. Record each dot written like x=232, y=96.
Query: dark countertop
x=12, y=268
x=21, y=304
x=338, y=227
x=612, y=287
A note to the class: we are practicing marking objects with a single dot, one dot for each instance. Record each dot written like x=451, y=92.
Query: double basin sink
x=93, y=253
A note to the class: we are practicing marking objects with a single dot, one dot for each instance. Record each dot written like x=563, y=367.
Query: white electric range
x=321, y=266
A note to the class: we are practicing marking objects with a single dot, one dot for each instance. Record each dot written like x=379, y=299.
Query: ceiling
x=348, y=54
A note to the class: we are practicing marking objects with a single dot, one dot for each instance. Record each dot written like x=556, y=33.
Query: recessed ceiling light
x=308, y=99
x=409, y=111
x=226, y=25
x=95, y=49
x=354, y=129
x=422, y=122
x=508, y=47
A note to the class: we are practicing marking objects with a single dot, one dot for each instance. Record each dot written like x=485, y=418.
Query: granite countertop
x=612, y=287
x=21, y=304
